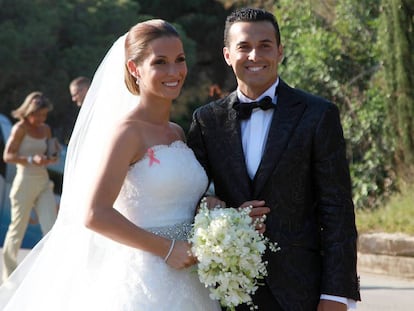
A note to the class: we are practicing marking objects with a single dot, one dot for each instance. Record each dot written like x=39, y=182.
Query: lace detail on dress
x=175, y=144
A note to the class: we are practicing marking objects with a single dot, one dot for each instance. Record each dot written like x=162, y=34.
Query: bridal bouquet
x=229, y=250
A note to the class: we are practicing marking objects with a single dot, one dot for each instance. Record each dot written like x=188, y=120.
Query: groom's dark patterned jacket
x=304, y=179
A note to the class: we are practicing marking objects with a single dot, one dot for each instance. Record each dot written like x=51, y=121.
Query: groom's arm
x=336, y=210
x=195, y=140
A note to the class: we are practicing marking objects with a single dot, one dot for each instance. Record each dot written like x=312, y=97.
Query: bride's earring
x=137, y=81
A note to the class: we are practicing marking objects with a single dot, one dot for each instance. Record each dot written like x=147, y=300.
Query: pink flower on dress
x=152, y=158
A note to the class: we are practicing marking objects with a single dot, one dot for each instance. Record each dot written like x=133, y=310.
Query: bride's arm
x=123, y=149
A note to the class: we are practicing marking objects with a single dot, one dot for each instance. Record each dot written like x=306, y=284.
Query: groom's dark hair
x=250, y=15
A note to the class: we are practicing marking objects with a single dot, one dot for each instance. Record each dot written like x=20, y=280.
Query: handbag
x=53, y=148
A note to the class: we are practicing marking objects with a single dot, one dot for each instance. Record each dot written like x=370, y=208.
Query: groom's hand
x=258, y=213
x=330, y=305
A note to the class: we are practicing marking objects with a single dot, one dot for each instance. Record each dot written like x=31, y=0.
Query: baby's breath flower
x=229, y=250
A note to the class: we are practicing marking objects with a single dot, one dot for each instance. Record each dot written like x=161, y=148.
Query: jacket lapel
x=285, y=118
x=232, y=146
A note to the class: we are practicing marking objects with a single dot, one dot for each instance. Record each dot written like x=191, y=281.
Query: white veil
x=57, y=270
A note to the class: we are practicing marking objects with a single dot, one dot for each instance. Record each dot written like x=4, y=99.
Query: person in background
x=78, y=88
x=268, y=141
x=31, y=188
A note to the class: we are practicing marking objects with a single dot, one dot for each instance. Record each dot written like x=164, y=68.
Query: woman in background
x=31, y=188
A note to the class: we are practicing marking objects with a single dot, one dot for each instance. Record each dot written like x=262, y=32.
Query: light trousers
x=27, y=192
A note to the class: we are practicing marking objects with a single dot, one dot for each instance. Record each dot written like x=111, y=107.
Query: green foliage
x=203, y=23
x=370, y=150
x=27, y=43
x=93, y=27
x=334, y=48
x=395, y=216
x=397, y=43
x=330, y=50
x=46, y=43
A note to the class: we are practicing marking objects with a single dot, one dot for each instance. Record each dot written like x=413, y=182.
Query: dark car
x=7, y=171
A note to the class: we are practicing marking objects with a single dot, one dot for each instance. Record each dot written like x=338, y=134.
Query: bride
x=130, y=191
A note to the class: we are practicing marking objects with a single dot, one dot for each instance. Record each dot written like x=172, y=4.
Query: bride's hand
x=181, y=256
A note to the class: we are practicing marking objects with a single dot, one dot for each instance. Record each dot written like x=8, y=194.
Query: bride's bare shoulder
x=178, y=130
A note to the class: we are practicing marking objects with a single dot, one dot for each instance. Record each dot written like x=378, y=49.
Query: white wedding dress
x=160, y=194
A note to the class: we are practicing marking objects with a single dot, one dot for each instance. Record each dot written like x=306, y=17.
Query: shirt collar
x=269, y=92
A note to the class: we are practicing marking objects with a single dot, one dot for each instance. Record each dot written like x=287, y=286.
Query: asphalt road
x=386, y=293
x=378, y=292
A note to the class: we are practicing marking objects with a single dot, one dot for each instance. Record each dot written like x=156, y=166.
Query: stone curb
x=394, y=244
x=386, y=253
x=397, y=266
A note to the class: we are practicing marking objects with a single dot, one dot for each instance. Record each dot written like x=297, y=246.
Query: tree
x=397, y=37
x=46, y=43
x=330, y=50
x=203, y=23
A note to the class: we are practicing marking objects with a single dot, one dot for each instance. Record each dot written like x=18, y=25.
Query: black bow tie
x=244, y=110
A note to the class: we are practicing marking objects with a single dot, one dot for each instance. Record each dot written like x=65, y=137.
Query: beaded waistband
x=178, y=231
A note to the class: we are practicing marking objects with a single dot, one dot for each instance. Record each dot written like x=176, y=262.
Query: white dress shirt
x=254, y=132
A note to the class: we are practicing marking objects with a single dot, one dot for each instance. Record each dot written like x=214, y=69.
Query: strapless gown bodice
x=163, y=188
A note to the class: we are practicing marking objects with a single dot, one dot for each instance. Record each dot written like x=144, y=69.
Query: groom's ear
x=226, y=54
x=132, y=68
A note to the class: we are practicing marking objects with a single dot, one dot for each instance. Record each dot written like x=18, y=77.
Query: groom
x=290, y=152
